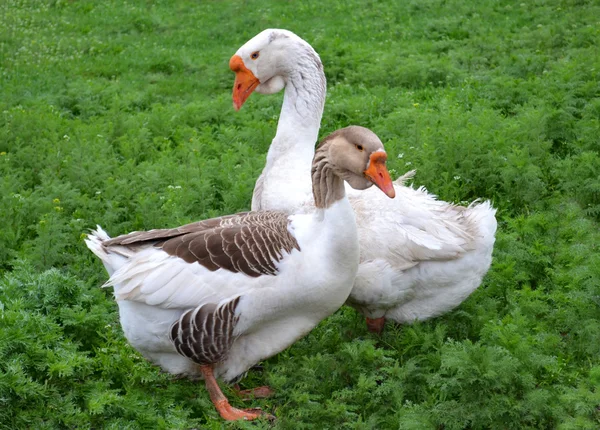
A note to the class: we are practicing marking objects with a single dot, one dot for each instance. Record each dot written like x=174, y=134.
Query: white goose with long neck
x=420, y=257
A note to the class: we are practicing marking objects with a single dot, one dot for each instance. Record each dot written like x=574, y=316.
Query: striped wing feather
x=205, y=334
x=249, y=242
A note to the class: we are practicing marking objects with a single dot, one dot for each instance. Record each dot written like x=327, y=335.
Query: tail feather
x=483, y=215
x=111, y=260
x=94, y=242
x=402, y=179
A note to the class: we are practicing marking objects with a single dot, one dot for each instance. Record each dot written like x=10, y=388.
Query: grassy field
x=119, y=114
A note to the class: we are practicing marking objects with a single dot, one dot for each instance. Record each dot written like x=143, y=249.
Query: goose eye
x=359, y=147
x=254, y=55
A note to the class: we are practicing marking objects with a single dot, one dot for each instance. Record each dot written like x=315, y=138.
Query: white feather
x=419, y=256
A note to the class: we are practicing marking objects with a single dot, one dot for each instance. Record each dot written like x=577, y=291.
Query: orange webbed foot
x=230, y=413
x=221, y=403
x=375, y=325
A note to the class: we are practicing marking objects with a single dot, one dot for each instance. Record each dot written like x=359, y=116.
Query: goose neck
x=328, y=187
x=303, y=104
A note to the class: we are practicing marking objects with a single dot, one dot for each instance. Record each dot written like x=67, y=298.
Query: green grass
x=119, y=114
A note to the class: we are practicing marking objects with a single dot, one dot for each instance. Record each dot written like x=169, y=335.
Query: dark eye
x=359, y=147
x=254, y=55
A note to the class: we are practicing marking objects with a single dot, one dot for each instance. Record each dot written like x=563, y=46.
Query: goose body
x=419, y=257
x=215, y=297
x=423, y=257
x=153, y=287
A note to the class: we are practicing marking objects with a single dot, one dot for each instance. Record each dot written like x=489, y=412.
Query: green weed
x=119, y=114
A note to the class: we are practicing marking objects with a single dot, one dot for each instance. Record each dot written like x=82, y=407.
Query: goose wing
x=204, y=261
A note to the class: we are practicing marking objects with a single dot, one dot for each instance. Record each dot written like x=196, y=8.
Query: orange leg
x=254, y=393
x=227, y=411
x=376, y=325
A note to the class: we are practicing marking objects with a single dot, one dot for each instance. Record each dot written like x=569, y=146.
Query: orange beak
x=379, y=175
x=245, y=81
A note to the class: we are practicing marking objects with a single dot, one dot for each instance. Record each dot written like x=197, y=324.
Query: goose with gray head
x=419, y=257
x=215, y=297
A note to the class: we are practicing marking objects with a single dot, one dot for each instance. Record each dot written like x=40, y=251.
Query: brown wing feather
x=138, y=237
x=205, y=334
x=249, y=242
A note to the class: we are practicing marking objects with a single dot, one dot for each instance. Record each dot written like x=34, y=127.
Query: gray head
x=356, y=154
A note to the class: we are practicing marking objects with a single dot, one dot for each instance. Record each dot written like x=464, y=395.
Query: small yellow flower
x=416, y=104
x=56, y=201
x=3, y=153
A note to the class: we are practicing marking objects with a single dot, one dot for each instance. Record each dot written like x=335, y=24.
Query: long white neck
x=300, y=118
x=285, y=182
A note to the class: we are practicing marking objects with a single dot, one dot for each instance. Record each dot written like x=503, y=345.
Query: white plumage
x=153, y=289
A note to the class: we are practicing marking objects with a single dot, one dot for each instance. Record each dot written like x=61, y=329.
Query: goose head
x=264, y=63
x=357, y=156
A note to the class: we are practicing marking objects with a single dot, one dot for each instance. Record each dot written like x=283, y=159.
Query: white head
x=266, y=62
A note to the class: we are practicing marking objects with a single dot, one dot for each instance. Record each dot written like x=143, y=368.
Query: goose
x=212, y=298
x=419, y=257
